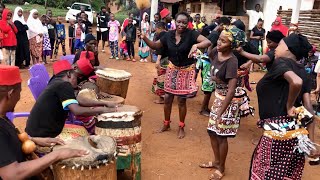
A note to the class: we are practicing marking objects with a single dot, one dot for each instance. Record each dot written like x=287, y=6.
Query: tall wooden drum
x=125, y=126
x=113, y=81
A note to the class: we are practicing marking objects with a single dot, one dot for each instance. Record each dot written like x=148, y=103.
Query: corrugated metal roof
x=170, y=1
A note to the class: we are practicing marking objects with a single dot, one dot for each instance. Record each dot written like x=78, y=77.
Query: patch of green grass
x=27, y=8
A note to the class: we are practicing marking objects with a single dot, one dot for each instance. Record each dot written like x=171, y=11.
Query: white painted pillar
x=154, y=9
x=202, y=8
x=296, y=11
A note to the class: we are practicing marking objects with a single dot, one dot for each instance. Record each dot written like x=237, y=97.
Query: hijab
x=282, y=28
x=34, y=25
x=16, y=17
x=144, y=23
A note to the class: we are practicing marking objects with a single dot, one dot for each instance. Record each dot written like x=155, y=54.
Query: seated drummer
x=91, y=48
x=13, y=164
x=48, y=115
x=85, y=71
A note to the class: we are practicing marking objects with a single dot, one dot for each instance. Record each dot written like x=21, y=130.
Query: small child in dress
x=46, y=51
x=71, y=36
x=61, y=36
x=130, y=32
x=203, y=65
x=114, y=29
x=123, y=48
x=80, y=34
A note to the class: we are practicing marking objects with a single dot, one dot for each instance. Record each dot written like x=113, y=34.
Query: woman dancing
x=180, y=44
x=279, y=154
x=224, y=116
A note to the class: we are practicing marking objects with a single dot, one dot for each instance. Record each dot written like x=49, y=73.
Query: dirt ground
x=164, y=156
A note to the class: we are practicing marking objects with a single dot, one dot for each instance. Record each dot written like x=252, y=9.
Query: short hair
x=161, y=25
x=182, y=14
x=49, y=10
x=130, y=18
x=260, y=20
x=5, y=89
x=257, y=5
x=157, y=14
x=103, y=7
x=224, y=20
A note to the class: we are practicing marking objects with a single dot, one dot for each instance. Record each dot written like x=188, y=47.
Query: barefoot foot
x=205, y=113
x=163, y=129
x=181, y=133
x=159, y=101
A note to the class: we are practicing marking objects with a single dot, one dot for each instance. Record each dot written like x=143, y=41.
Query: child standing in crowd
x=114, y=29
x=35, y=35
x=161, y=65
x=143, y=48
x=47, y=51
x=51, y=30
x=123, y=48
x=85, y=21
x=79, y=33
x=102, y=22
x=61, y=36
x=9, y=41
x=208, y=86
x=71, y=36
x=130, y=33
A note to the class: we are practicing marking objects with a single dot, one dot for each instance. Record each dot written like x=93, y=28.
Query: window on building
x=196, y=7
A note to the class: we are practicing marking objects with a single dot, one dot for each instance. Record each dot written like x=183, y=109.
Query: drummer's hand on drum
x=47, y=142
x=70, y=153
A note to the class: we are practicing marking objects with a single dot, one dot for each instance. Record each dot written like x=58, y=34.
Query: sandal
x=209, y=164
x=217, y=175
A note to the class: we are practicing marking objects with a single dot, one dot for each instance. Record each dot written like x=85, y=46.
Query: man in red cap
x=167, y=18
x=13, y=164
x=84, y=70
x=49, y=113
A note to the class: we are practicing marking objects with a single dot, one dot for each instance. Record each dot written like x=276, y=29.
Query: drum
x=113, y=81
x=125, y=126
x=99, y=164
x=91, y=94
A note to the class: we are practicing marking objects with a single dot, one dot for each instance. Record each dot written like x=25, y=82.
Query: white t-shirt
x=317, y=68
x=254, y=16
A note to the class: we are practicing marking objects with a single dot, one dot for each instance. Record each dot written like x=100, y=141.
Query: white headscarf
x=16, y=17
x=34, y=25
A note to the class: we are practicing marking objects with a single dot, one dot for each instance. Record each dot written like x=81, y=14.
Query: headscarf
x=235, y=35
x=298, y=45
x=5, y=13
x=282, y=28
x=144, y=23
x=34, y=25
x=16, y=17
x=275, y=36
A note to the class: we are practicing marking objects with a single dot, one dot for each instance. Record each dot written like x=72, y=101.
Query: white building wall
x=271, y=7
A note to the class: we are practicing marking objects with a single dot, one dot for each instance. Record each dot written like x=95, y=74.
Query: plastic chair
x=41, y=71
x=36, y=86
x=69, y=58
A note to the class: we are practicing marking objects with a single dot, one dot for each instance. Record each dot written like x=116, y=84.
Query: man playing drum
x=13, y=164
x=47, y=117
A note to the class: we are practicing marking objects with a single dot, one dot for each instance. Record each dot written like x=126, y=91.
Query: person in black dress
x=279, y=153
x=23, y=50
x=257, y=35
x=180, y=45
